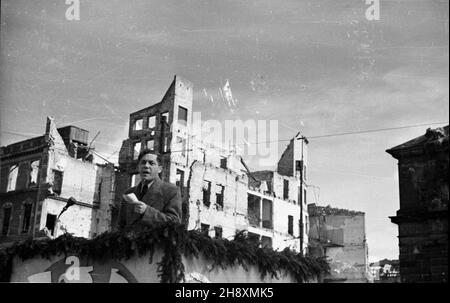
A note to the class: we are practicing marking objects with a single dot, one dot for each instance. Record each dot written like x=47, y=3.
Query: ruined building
x=339, y=235
x=39, y=175
x=220, y=195
x=423, y=215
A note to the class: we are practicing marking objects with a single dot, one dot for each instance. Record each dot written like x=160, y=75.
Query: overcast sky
x=319, y=67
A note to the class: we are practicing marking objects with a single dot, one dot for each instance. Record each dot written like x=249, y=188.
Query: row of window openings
x=217, y=230
x=27, y=170
x=151, y=120
x=150, y=144
x=207, y=194
x=179, y=179
x=26, y=222
x=32, y=177
x=291, y=226
x=7, y=214
x=255, y=219
x=259, y=214
x=264, y=241
x=286, y=192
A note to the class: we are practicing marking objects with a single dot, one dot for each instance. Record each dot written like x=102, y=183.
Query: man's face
x=149, y=167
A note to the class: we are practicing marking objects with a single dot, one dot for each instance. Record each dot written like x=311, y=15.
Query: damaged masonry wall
x=59, y=168
x=422, y=219
x=228, y=214
x=339, y=234
x=213, y=181
x=90, y=184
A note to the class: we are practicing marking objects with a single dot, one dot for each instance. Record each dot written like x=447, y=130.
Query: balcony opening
x=254, y=210
x=267, y=214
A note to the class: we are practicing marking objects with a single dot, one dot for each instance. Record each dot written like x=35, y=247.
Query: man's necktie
x=144, y=189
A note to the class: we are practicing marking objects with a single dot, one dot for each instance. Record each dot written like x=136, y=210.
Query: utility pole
x=303, y=138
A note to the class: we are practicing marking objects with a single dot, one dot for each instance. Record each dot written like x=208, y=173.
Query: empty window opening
x=135, y=179
x=254, y=238
x=150, y=144
x=151, y=121
x=290, y=225
x=136, y=150
x=182, y=115
x=254, y=210
x=206, y=193
x=218, y=232
x=223, y=162
x=285, y=189
x=205, y=229
x=138, y=124
x=6, y=220
x=219, y=195
x=267, y=214
x=34, y=170
x=179, y=178
x=50, y=223
x=26, y=217
x=57, y=181
x=165, y=117
x=165, y=144
x=266, y=242
x=12, y=177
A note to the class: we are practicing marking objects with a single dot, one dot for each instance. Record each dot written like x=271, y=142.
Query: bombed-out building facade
x=39, y=175
x=221, y=196
x=339, y=235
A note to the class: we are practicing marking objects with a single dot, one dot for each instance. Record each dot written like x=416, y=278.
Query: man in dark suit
x=152, y=201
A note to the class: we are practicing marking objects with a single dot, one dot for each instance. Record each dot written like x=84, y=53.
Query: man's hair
x=148, y=151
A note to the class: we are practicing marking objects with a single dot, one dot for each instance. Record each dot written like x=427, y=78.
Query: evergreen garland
x=175, y=241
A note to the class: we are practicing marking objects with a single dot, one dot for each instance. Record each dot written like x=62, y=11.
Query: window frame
x=5, y=206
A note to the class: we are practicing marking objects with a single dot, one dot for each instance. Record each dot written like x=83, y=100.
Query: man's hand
x=139, y=206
